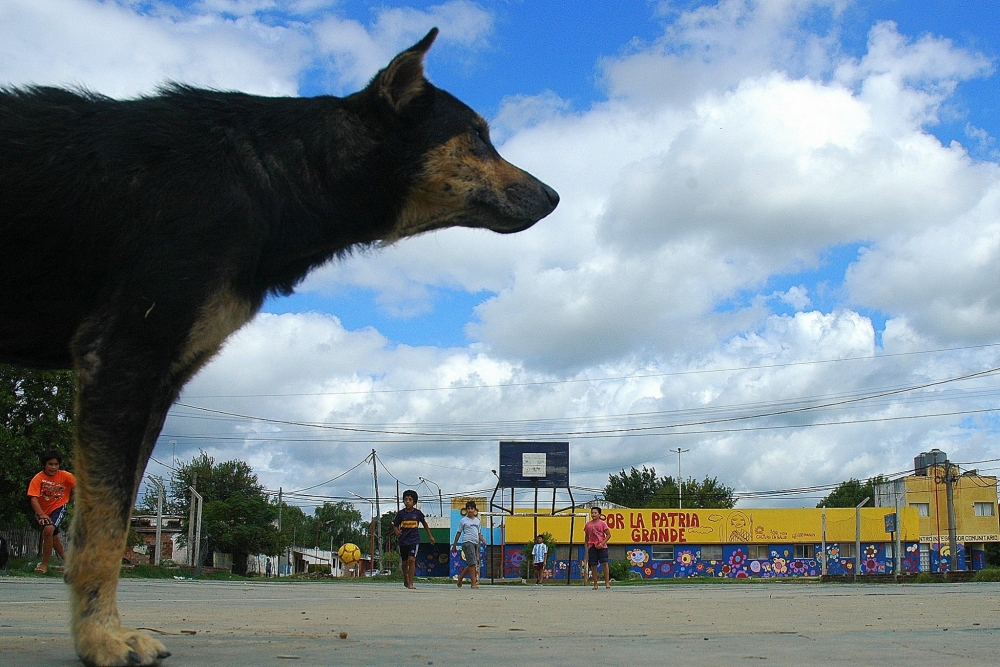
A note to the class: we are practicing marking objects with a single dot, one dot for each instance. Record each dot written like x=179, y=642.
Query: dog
x=137, y=235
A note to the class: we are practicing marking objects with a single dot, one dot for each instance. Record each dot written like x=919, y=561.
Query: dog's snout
x=551, y=194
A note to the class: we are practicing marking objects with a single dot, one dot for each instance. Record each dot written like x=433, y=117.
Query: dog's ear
x=403, y=79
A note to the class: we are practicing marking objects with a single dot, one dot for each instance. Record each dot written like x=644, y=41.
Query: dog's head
x=453, y=174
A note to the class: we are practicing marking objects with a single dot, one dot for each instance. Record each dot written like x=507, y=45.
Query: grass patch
x=989, y=574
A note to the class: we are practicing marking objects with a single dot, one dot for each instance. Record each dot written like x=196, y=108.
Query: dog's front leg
x=121, y=404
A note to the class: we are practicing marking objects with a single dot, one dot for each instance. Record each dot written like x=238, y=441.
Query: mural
x=514, y=560
x=456, y=560
x=735, y=562
x=432, y=560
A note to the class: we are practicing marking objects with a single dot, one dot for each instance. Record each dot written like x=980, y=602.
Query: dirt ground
x=224, y=624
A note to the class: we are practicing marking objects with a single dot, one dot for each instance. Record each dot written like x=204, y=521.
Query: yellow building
x=735, y=543
x=975, y=510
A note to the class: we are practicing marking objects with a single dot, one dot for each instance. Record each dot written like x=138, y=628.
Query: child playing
x=538, y=554
x=598, y=533
x=471, y=535
x=49, y=491
x=406, y=527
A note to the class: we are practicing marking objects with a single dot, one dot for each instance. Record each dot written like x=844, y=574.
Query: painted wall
x=735, y=562
x=751, y=526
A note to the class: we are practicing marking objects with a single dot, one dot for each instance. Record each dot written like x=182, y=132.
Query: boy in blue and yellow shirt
x=406, y=526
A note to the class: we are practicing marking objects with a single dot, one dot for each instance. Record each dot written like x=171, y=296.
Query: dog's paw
x=123, y=647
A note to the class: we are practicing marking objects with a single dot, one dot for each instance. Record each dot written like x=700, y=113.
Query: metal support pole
x=159, y=519
x=197, y=538
x=572, y=527
x=857, y=536
x=823, y=565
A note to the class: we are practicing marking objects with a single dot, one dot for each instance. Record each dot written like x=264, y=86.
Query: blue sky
x=763, y=204
x=539, y=47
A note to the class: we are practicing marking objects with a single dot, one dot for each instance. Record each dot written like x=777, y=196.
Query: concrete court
x=299, y=624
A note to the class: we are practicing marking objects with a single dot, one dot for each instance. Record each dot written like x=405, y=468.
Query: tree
x=36, y=414
x=635, y=488
x=241, y=525
x=339, y=523
x=237, y=516
x=643, y=488
x=852, y=492
x=709, y=493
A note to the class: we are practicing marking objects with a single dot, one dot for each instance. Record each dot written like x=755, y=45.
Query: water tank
x=924, y=460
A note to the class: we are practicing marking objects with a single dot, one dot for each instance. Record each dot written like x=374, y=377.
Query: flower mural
x=637, y=557
x=737, y=558
x=779, y=566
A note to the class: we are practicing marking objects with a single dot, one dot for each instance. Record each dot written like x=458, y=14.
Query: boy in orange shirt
x=49, y=491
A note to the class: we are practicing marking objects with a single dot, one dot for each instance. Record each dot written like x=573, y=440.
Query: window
x=983, y=509
x=662, y=552
x=711, y=552
x=923, y=509
x=758, y=552
x=847, y=550
x=805, y=551
x=616, y=552
x=888, y=550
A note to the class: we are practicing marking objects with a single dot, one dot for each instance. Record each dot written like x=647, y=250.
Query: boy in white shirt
x=538, y=554
x=471, y=535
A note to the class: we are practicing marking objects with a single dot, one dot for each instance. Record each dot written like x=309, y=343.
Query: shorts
x=407, y=551
x=471, y=552
x=595, y=555
x=55, y=518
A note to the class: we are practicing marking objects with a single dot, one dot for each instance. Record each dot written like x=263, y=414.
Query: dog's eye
x=481, y=141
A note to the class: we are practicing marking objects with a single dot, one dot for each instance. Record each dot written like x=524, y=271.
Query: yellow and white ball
x=349, y=554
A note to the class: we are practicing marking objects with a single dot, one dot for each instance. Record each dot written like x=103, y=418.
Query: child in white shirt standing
x=538, y=554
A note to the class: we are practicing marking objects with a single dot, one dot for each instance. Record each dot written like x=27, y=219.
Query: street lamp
x=440, y=500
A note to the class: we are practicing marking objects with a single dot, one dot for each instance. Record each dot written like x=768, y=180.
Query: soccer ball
x=349, y=554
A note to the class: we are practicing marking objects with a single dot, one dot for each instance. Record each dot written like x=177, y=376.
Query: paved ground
x=300, y=624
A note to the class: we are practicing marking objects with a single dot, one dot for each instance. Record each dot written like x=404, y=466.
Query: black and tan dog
x=135, y=236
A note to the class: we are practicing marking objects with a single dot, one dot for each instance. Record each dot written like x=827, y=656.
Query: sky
x=777, y=247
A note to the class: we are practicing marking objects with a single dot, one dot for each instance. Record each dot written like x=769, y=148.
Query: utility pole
x=680, y=482
x=378, y=528
x=194, y=485
x=279, y=532
x=955, y=563
x=897, y=548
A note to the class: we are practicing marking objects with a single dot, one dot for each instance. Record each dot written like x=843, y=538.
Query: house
x=974, y=503
x=145, y=526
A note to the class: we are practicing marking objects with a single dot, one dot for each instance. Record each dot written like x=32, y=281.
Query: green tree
x=852, y=492
x=643, y=488
x=635, y=488
x=705, y=494
x=295, y=526
x=241, y=525
x=36, y=414
x=339, y=523
x=237, y=516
